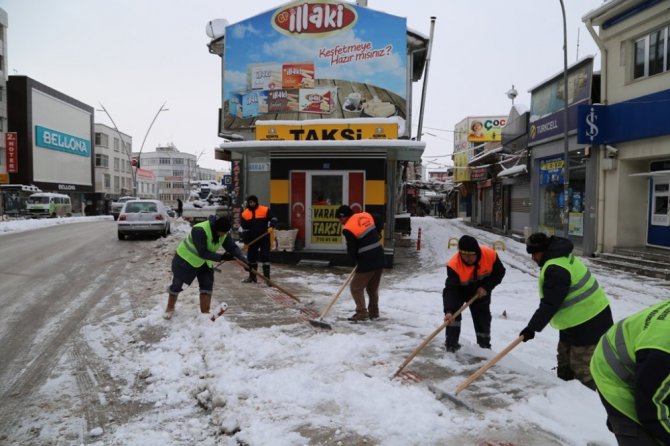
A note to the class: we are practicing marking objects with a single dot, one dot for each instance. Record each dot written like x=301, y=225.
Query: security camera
x=612, y=151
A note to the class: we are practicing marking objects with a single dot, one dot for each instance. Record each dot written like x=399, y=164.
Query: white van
x=46, y=204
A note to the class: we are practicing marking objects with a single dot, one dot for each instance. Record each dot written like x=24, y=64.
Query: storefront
x=575, y=218
x=52, y=129
x=635, y=170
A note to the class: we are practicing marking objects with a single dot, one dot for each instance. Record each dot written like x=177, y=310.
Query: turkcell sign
x=55, y=140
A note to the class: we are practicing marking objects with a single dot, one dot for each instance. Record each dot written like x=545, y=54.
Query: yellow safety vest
x=585, y=298
x=187, y=251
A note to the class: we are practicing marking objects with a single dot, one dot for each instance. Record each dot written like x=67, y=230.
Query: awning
x=657, y=173
x=512, y=171
x=485, y=154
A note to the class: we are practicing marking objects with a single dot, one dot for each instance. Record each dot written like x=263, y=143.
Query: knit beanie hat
x=538, y=242
x=253, y=198
x=344, y=211
x=468, y=245
x=222, y=224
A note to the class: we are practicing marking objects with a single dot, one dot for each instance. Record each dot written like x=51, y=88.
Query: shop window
x=552, y=196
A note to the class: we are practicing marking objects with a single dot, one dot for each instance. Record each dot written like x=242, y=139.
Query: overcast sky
x=134, y=55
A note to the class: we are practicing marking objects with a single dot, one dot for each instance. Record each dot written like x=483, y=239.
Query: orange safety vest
x=466, y=272
x=261, y=212
x=360, y=225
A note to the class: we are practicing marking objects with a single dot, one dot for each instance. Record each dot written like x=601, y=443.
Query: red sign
x=314, y=18
x=12, y=148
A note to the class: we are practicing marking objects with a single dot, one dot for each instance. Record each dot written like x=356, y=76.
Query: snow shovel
x=267, y=280
x=256, y=239
x=488, y=365
x=319, y=322
x=433, y=334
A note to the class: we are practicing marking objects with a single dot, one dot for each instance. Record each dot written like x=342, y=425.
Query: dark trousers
x=627, y=431
x=259, y=251
x=481, y=319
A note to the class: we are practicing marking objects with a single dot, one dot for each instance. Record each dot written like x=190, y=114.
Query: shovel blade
x=320, y=324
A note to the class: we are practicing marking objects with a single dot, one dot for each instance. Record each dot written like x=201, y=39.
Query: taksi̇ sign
x=55, y=140
x=326, y=132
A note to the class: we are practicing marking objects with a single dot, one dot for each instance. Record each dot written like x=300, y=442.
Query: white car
x=143, y=217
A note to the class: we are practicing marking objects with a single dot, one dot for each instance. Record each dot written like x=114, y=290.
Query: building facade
x=113, y=167
x=173, y=171
x=52, y=129
x=629, y=131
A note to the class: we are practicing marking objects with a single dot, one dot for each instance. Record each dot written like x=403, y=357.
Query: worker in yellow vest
x=572, y=302
x=631, y=369
x=195, y=259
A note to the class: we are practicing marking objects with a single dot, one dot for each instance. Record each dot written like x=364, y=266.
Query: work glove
x=527, y=334
x=227, y=257
x=448, y=317
x=273, y=222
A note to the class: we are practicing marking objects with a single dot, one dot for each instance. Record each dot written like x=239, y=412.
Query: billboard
x=486, y=128
x=61, y=137
x=314, y=60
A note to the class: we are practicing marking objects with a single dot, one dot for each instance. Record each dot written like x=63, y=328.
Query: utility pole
x=566, y=149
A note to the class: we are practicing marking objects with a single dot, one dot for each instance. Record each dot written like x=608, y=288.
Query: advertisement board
x=485, y=128
x=11, y=146
x=313, y=60
x=61, y=137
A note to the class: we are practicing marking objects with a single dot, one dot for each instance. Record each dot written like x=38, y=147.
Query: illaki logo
x=314, y=19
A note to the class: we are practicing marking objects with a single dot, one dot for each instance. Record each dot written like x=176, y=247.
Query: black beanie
x=468, y=243
x=538, y=242
x=222, y=224
x=252, y=198
x=344, y=211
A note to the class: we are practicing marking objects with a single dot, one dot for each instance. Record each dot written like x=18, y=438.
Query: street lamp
x=128, y=152
x=139, y=156
x=566, y=150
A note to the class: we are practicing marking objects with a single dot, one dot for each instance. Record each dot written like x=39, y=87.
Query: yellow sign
x=461, y=169
x=344, y=131
x=326, y=227
x=4, y=178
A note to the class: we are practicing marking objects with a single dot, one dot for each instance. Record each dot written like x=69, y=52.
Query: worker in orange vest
x=473, y=270
x=256, y=221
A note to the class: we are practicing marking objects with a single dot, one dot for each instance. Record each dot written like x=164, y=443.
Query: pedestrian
x=572, y=302
x=362, y=233
x=631, y=369
x=195, y=258
x=257, y=220
x=441, y=209
x=473, y=271
x=180, y=207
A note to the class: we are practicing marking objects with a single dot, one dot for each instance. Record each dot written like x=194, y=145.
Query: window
x=101, y=139
x=117, y=184
x=101, y=160
x=164, y=161
x=116, y=164
x=108, y=180
x=652, y=53
x=116, y=144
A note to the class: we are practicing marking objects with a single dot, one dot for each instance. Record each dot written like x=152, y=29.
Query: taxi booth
x=316, y=105
x=309, y=179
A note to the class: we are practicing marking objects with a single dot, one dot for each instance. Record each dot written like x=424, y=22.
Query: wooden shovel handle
x=267, y=280
x=488, y=365
x=433, y=334
x=332, y=302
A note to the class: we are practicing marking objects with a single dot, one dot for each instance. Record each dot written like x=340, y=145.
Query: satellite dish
x=216, y=28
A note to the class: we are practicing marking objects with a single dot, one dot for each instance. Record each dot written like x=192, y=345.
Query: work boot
x=205, y=302
x=169, y=310
x=266, y=270
x=373, y=312
x=361, y=315
x=452, y=348
x=252, y=276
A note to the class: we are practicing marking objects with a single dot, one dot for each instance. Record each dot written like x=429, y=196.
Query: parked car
x=118, y=205
x=143, y=217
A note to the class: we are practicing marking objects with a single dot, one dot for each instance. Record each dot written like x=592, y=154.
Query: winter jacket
x=463, y=280
x=200, y=246
x=362, y=233
x=555, y=282
x=255, y=222
x=631, y=368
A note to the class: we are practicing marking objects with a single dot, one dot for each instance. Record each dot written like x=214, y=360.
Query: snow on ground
x=282, y=384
